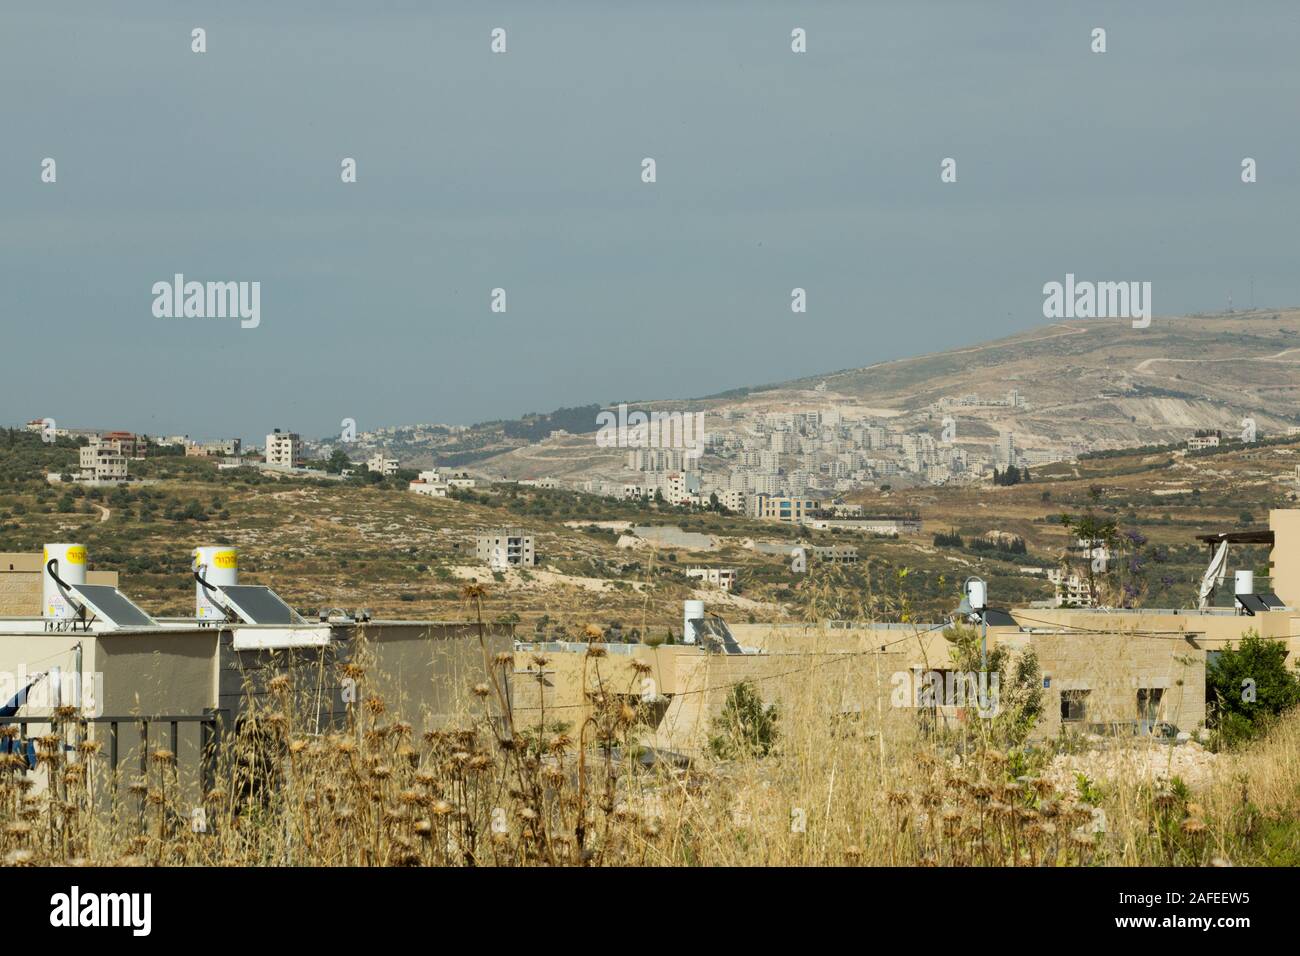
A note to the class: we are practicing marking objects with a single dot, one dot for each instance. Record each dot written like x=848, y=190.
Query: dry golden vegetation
x=870, y=787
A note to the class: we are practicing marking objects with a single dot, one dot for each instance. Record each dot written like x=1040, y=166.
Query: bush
x=745, y=727
x=1248, y=687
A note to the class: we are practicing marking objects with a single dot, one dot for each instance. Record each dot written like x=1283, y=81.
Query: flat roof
x=1257, y=536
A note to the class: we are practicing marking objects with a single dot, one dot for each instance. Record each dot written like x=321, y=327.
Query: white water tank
x=219, y=566
x=1243, y=582
x=70, y=565
x=694, y=612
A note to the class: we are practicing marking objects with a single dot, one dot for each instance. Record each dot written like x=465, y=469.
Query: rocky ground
x=1137, y=761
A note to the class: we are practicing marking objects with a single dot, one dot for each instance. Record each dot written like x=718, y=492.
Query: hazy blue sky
x=522, y=171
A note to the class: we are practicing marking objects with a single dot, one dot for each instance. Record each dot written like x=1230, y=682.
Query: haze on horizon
x=522, y=171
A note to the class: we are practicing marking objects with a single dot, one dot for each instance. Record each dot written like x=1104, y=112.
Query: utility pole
x=984, y=643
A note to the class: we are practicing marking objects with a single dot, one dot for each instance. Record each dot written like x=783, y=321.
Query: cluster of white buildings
x=745, y=462
x=828, y=451
x=434, y=484
x=1013, y=399
x=689, y=488
x=819, y=453
x=106, y=455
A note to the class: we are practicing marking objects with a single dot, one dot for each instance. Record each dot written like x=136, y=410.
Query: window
x=1148, y=701
x=949, y=688
x=1074, y=705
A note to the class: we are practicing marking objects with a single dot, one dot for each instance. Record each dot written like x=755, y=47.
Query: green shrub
x=1248, y=687
x=745, y=727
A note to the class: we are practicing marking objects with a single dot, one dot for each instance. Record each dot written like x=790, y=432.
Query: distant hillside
x=1108, y=379
x=1097, y=383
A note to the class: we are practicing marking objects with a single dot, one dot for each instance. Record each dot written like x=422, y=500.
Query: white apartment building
x=384, y=465
x=836, y=554
x=221, y=448
x=1043, y=456
x=774, y=508
x=662, y=459
x=1006, y=449
x=120, y=443
x=724, y=578
x=891, y=526
x=733, y=499
x=679, y=486
x=284, y=449
x=100, y=462
x=1071, y=588
x=507, y=548
x=1199, y=442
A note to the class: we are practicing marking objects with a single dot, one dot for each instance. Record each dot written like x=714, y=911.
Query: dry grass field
x=490, y=791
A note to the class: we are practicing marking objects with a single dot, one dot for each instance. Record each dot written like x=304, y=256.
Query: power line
x=1178, y=635
x=798, y=670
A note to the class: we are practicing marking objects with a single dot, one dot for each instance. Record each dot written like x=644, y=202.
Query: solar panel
x=714, y=631
x=1274, y=602
x=258, y=605
x=111, y=605
x=995, y=618
x=1252, y=604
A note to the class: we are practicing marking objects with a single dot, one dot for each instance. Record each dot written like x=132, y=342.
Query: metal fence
x=166, y=728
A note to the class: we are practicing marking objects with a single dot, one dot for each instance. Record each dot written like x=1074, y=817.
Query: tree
x=1095, y=533
x=1248, y=686
x=337, y=461
x=745, y=727
x=1019, y=688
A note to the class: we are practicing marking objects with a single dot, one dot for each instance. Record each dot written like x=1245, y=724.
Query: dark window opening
x=1074, y=705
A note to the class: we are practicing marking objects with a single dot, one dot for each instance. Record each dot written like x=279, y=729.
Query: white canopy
x=1214, y=574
